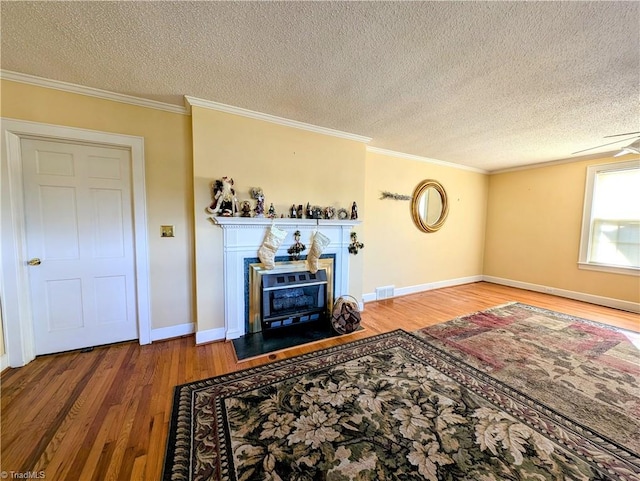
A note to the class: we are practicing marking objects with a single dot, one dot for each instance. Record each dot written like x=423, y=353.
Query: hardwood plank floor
x=104, y=414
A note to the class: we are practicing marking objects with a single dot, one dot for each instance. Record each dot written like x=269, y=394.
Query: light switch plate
x=166, y=230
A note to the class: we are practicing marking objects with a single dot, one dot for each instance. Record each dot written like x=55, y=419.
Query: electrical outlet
x=166, y=230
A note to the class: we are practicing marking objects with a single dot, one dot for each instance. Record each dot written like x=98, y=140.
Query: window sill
x=630, y=271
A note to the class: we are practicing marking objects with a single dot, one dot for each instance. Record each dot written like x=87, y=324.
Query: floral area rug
x=390, y=407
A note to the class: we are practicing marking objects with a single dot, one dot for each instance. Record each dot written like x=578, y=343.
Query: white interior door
x=79, y=235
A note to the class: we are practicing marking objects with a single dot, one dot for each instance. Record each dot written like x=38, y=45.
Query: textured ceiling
x=490, y=85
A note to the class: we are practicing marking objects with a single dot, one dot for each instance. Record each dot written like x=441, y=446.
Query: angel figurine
x=258, y=195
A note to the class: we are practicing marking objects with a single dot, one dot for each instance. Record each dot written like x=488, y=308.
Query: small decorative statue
x=224, y=198
x=354, y=211
x=300, y=211
x=297, y=248
x=257, y=194
x=329, y=213
x=355, y=246
x=294, y=211
x=309, y=211
x=272, y=212
x=245, y=209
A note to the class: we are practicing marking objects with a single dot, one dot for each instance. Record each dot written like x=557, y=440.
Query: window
x=610, y=238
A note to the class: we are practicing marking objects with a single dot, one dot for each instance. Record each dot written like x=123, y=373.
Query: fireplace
x=289, y=295
x=293, y=298
x=242, y=237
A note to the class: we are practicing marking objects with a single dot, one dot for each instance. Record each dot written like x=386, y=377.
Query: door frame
x=14, y=282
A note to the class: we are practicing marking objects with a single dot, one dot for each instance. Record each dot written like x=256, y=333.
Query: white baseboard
x=429, y=286
x=4, y=362
x=202, y=337
x=162, y=333
x=371, y=296
x=210, y=335
x=579, y=296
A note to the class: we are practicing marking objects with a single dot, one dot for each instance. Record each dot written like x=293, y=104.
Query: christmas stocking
x=269, y=247
x=320, y=241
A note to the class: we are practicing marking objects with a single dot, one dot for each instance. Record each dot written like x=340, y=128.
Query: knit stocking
x=320, y=241
x=269, y=247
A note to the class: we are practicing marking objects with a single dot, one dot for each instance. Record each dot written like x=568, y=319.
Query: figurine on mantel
x=354, y=211
x=329, y=212
x=224, y=198
x=245, y=209
x=258, y=195
x=294, y=211
x=272, y=212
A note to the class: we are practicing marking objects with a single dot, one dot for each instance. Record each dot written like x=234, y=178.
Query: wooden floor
x=104, y=415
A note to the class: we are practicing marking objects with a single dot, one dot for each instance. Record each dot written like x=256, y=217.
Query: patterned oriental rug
x=511, y=393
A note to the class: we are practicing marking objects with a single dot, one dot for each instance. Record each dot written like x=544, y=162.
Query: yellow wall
x=290, y=165
x=167, y=138
x=396, y=252
x=531, y=217
x=533, y=232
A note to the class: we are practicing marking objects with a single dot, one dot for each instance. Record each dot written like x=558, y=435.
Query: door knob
x=34, y=262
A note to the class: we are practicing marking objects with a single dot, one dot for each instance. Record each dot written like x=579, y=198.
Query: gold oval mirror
x=429, y=206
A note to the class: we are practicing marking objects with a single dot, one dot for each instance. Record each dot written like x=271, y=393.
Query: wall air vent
x=385, y=292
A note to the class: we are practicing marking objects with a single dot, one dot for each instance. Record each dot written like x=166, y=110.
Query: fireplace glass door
x=293, y=298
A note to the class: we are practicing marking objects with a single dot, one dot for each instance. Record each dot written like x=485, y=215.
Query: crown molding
x=571, y=160
x=91, y=92
x=401, y=155
x=193, y=101
x=230, y=109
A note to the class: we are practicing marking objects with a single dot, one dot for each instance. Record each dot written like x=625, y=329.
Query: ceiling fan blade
x=632, y=148
x=619, y=135
x=598, y=146
x=627, y=150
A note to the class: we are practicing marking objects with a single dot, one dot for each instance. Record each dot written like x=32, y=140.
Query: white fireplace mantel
x=243, y=236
